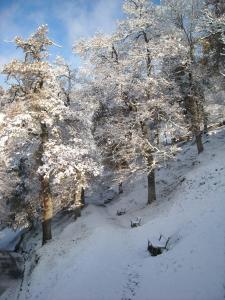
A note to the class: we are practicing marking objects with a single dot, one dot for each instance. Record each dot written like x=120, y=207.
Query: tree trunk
x=47, y=211
x=45, y=193
x=193, y=105
x=151, y=179
x=151, y=187
x=78, y=204
x=199, y=144
x=195, y=123
x=150, y=161
x=120, y=188
x=46, y=231
x=82, y=197
x=79, y=197
x=77, y=213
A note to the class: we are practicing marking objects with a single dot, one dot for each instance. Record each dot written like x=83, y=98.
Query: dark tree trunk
x=45, y=193
x=120, y=188
x=151, y=178
x=193, y=104
x=149, y=153
x=150, y=162
x=79, y=202
x=46, y=231
x=151, y=187
x=82, y=197
x=199, y=143
x=77, y=212
x=47, y=211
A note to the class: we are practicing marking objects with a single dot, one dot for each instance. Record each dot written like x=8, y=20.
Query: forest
x=144, y=109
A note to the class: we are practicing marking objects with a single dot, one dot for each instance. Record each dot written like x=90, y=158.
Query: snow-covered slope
x=101, y=257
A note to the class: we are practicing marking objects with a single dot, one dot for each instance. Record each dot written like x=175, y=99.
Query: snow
x=100, y=257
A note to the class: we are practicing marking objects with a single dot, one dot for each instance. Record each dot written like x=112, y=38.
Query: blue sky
x=68, y=20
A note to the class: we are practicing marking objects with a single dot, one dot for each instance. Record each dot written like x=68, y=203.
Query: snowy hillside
x=100, y=257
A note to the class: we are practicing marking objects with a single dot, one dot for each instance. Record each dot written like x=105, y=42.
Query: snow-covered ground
x=101, y=257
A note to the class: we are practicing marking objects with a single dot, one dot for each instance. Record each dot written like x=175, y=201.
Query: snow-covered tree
x=136, y=101
x=212, y=29
x=50, y=138
x=184, y=16
x=211, y=62
x=67, y=77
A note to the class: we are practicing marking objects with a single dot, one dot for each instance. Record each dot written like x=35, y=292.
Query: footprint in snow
x=132, y=283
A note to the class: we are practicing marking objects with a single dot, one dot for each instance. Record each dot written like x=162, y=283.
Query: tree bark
x=150, y=161
x=78, y=204
x=47, y=211
x=46, y=231
x=151, y=179
x=82, y=197
x=45, y=193
x=193, y=105
x=151, y=187
x=195, y=122
x=149, y=154
x=199, y=143
x=79, y=197
x=120, y=188
x=77, y=213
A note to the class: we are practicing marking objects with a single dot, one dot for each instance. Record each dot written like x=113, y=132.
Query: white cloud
x=8, y=23
x=79, y=18
x=81, y=21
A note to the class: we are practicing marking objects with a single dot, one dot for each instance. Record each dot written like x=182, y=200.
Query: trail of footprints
x=132, y=283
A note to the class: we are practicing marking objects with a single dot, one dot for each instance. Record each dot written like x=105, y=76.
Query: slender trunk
x=151, y=180
x=195, y=116
x=46, y=231
x=149, y=154
x=77, y=201
x=199, y=143
x=79, y=196
x=45, y=193
x=150, y=161
x=120, y=188
x=82, y=197
x=47, y=211
x=151, y=187
x=77, y=212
